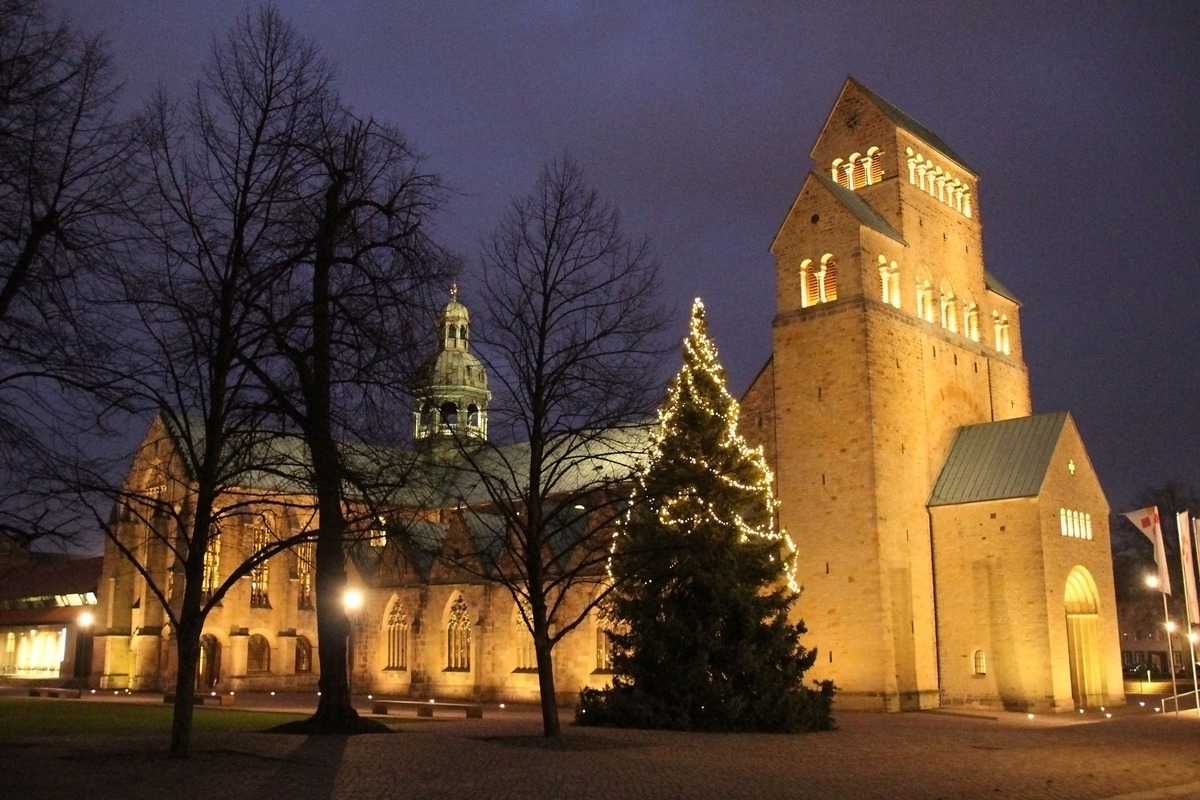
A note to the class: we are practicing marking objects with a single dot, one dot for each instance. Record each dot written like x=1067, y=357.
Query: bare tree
x=571, y=336
x=225, y=177
x=342, y=319
x=63, y=180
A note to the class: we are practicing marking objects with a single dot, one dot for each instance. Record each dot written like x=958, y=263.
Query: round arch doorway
x=1083, y=638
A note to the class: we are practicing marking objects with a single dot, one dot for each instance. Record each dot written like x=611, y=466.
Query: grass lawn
x=33, y=717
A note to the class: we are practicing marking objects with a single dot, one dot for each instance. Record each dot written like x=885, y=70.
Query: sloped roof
x=994, y=285
x=998, y=460
x=860, y=208
x=910, y=124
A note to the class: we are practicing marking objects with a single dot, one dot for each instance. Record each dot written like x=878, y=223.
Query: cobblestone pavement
x=1135, y=755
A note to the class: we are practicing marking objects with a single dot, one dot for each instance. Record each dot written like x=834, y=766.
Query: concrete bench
x=426, y=708
x=55, y=691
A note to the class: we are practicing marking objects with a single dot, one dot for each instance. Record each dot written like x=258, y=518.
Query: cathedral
x=953, y=547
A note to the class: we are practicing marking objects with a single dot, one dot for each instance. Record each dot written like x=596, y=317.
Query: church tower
x=452, y=393
x=890, y=335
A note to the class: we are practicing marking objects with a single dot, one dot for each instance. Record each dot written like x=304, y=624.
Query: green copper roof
x=994, y=285
x=861, y=209
x=998, y=460
x=909, y=124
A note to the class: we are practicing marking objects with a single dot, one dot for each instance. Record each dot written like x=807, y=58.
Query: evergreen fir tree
x=703, y=580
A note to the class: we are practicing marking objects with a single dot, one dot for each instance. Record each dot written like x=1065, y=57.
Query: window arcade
x=818, y=283
x=938, y=183
x=858, y=170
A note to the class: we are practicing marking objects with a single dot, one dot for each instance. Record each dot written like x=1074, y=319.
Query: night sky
x=696, y=120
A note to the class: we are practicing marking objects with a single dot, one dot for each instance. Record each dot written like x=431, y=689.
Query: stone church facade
x=953, y=547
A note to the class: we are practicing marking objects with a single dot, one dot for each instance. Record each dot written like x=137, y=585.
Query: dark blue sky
x=696, y=119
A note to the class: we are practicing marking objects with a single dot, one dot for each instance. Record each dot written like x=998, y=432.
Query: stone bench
x=55, y=691
x=426, y=708
x=203, y=699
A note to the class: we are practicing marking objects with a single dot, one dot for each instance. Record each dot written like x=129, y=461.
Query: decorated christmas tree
x=703, y=578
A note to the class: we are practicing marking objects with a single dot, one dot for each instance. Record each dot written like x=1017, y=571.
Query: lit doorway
x=1083, y=639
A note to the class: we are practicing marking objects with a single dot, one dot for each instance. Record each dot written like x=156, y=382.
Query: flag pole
x=1170, y=654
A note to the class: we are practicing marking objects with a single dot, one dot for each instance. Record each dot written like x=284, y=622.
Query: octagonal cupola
x=452, y=392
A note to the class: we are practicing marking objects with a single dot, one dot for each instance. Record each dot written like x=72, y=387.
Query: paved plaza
x=1135, y=755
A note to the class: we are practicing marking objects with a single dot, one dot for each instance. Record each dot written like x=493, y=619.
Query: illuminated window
x=378, y=536
x=258, y=655
x=858, y=170
x=604, y=649
x=949, y=311
x=1000, y=331
x=1074, y=524
x=828, y=278
x=971, y=315
x=889, y=282
x=211, y=578
x=980, y=662
x=397, y=637
x=260, y=574
x=458, y=636
x=938, y=182
x=304, y=575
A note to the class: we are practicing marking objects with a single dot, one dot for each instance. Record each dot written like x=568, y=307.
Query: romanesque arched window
x=1000, y=332
x=949, y=311
x=397, y=637
x=889, y=282
x=828, y=278
x=971, y=317
x=458, y=636
x=924, y=300
x=258, y=654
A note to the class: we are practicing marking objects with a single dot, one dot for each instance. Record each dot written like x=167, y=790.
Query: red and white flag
x=1146, y=520
x=1189, y=570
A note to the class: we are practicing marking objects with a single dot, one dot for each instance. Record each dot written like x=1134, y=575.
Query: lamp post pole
x=352, y=600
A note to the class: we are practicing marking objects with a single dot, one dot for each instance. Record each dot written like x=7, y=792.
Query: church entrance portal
x=1083, y=638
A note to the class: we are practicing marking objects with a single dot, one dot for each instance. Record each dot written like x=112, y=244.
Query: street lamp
x=352, y=601
x=1153, y=582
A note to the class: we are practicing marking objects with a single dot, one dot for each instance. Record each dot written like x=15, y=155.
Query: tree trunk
x=551, y=725
x=187, y=646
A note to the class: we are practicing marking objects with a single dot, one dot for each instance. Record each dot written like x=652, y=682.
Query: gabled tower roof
x=908, y=123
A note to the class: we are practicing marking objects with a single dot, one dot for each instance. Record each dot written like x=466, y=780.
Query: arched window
x=458, y=636
x=980, y=662
x=828, y=278
x=1000, y=331
x=211, y=578
x=526, y=655
x=305, y=559
x=835, y=171
x=397, y=637
x=924, y=300
x=810, y=284
x=853, y=172
x=473, y=415
x=604, y=649
x=449, y=413
x=260, y=574
x=873, y=166
x=889, y=282
x=971, y=313
x=258, y=655
x=303, y=656
x=949, y=311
